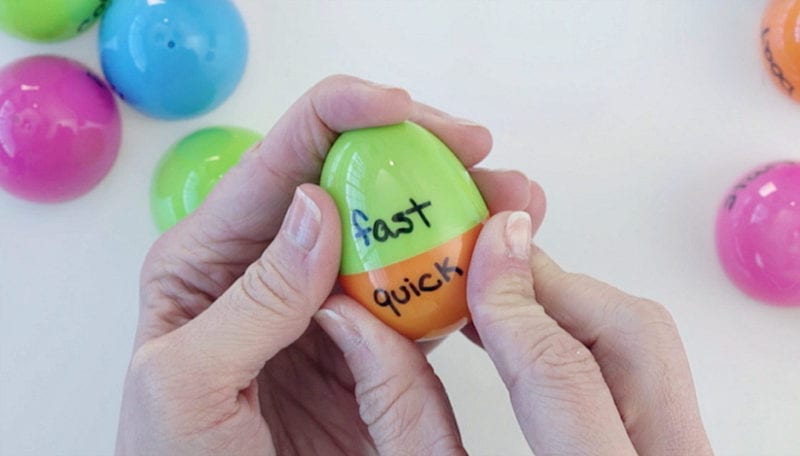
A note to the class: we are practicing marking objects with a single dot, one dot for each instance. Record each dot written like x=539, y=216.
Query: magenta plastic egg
x=758, y=233
x=59, y=129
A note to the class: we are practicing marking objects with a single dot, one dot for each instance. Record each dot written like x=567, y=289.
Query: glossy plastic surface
x=192, y=167
x=173, y=59
x=780, y=45
x=59, y=129
x=758, y=233
x=423, y=297
x=406, y=204
x=49, y=20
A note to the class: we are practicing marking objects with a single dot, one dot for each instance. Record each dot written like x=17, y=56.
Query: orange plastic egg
x=780, y=45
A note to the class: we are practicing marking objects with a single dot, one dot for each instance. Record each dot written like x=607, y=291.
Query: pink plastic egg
x=758, y=233
x=59, y=129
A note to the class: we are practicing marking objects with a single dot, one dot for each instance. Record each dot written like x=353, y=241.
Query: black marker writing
x=774, y=68
x=98, y=11
x=731, y=199
x=381, y=230
x=426, y=283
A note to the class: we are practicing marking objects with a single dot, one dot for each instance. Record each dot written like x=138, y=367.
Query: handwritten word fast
x=401, y=222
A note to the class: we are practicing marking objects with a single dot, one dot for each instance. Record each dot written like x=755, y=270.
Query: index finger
x=638, y=347
x=253, y=197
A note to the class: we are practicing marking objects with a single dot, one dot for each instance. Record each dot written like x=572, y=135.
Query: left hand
x=227, y=358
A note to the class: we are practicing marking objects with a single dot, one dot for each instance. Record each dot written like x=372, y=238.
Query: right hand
x=590, y=369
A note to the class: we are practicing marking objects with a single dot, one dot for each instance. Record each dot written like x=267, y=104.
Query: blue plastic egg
x=173, y=59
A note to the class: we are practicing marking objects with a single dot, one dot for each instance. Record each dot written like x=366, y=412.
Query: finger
x=400, y=399
x=292, y=155
x=271, y=305
x=511, y=191
x=254, y=195
x=638, y=347
x=509, y=199
x=502, y=190
x=470, y=141
x=557, y=390
x=537, y=206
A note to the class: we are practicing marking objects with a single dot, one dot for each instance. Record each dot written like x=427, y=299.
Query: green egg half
x=49, y=20
x=382, y=171
x=192, y=167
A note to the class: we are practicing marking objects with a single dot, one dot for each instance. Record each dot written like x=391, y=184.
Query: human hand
x=227, y=359
x=590, y=369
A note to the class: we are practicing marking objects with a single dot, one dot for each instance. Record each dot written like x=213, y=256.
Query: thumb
x=557, y=390
x=400, y=398
x=271, y=305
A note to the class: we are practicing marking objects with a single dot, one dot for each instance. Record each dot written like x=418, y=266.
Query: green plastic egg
x=192, y=167
x=49, y=20
x=411, y=215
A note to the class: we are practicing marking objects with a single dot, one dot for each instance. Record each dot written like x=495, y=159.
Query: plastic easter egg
x=59, y=129
x=780, y=45
x=173, y=59
x=49, y=20
x=758, y=233
x=192, y=167
x=411, y=215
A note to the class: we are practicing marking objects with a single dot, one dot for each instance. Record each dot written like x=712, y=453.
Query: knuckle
x=557, y=359
x=186, y=270
x=582, y=284
x=377, y=400
x=445, y=443
x=268, y=285
x=508, y=290
x=150, y=370
x=642, y=319
x=497, y=322
x=647, y=320
x=513, y=286
x=388, y=407
x=175, y=392
x=652, y=312
x=334, y=80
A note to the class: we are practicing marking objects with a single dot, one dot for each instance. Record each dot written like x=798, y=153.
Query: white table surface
x=634, y=116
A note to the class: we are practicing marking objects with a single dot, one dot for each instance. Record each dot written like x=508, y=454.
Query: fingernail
x=466, y=122
x=383, y=86
x=343, y=332
x=458, y=120
x=302, y=222
x=518, y=235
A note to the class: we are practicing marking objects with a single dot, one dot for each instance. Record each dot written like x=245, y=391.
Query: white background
x=634, y=116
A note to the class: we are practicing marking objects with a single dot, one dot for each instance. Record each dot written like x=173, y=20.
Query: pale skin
x=244, y=347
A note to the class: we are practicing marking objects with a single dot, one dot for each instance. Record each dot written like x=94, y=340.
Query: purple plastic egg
x=60, y=129
x=758, y=233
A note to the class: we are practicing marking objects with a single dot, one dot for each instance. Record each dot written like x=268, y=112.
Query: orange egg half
x=780, y=45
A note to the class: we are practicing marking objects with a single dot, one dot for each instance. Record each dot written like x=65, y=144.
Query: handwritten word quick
x=426, y=283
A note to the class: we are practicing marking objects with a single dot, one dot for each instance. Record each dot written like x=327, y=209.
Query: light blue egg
x=173, y=59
